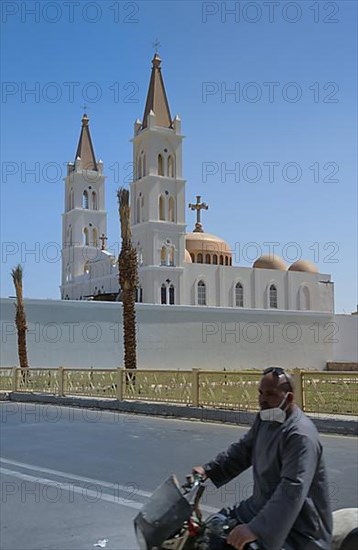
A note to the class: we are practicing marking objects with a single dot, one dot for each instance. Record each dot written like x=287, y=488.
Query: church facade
x=175, y=267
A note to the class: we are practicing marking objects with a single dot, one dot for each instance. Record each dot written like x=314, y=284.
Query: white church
x=176, y=267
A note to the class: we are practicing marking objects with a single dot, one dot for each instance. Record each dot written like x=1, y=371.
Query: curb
x=329, y=425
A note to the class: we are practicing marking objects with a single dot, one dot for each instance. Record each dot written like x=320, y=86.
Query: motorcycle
x=172, y=520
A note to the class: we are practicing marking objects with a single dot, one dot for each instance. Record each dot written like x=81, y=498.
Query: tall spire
x=85, y=148
x=157, y=98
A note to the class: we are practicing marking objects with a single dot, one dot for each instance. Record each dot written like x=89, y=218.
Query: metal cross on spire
x=198, y=207
x=156, y=45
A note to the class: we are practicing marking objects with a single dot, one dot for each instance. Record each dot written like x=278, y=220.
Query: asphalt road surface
x=73, y=478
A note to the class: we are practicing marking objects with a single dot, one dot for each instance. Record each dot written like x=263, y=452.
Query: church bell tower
x=84, y=219
x=158, y=197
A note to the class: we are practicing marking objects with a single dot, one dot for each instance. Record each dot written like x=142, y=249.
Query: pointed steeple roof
x=157, y=98
x=85, y=149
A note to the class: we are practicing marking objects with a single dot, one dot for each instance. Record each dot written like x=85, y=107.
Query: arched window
x=171, y=295
x=163, y=294
x=85, y=237
x=68, y=236
x=215, y=259
x=192, y=257
x=139, y=294
x=140, y=256
x=137, y=213
x=199, y=258
x=171, y=209
x=161, y=208
x=172, y=256
x=85, y=199
x=72, y=200
x=86, y=268
x=207, y=259
x=201, y=293
x=221, y=259
x=94, y=237
x=239, y=295
x=160, y=166
x=94, y=200
x=226, y=260
x=163, y=256
x=144, y=168
x=170, y=164
x=273, y=296
x=139, y=168
x=68, y=274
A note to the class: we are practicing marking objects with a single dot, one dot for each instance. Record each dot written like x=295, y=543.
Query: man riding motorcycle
x=290, y=505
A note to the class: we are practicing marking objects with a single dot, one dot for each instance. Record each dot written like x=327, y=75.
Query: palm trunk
x=128, y=280
x=20, y=317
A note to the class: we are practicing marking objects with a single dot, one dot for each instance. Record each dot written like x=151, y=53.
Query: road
x=72, y=477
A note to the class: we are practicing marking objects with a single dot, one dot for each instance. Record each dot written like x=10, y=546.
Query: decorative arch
x=94, y=236
x=303, y=298
x=85, y=237
x=215, y=259
x=163, y=255
x=171, y=209
x=199, y=258
x=170, y=166
x=137, y=211
x=160, y=165
x=94, y=202
x=85, y=199
x=207, y=259
x=172, y=256
x=162, y=208
x=68, y=273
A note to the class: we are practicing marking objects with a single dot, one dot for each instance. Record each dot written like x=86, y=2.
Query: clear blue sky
x=104, y=49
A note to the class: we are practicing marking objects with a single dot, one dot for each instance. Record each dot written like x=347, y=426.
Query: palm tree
x=128, y=281
x=20, y=318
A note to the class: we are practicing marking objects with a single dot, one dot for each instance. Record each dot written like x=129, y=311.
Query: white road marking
x=130, y=488
x=73, y=488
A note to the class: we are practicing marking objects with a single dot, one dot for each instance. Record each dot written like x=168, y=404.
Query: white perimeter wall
x=346, y=347
x=84, y=334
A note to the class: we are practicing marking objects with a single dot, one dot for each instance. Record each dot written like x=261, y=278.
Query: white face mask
x=276, y=414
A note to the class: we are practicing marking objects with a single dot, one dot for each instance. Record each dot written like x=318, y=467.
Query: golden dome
x=208, y=249
x=270, y=261
x=303, y=265
x=187, y=257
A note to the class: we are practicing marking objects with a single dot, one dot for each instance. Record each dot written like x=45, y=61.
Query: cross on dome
x=198, y=206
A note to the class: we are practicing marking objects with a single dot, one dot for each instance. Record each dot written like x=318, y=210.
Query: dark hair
x=288, y=385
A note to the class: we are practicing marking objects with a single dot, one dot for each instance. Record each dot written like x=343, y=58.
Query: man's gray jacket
x=290, y=502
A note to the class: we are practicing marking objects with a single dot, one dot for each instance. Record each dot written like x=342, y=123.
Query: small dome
x=205, y=248
x=303, y=265
x=187, y=257
x=270, y=261
x=205, y=242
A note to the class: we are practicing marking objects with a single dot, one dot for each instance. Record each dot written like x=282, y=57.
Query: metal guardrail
x=316, y=392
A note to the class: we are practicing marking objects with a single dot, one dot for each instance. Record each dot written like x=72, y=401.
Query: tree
x=20, y=317
x=128, y=280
